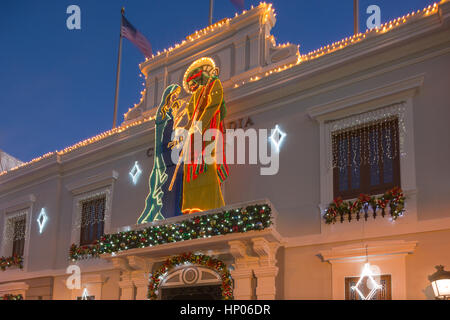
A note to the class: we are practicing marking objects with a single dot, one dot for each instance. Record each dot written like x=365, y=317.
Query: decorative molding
x=357, y=252
x=139, y=263
x=18, y=203
x=121, y=264
x=94, y=182
x=93, y=279
x=266, y=251
x=200, y=276
x=242, y=260
x=14, y=288
x=399, y=90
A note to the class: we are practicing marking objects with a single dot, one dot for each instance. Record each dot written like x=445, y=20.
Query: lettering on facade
x=241, y=123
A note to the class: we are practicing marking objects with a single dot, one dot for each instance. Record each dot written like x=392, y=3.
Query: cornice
x=94, y=182
x=18, y=203
x=14, y=286
x=404, y=88
x=373, y=248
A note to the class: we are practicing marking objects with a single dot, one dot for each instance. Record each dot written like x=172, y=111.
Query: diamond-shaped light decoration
x=42, y=220
x=135, y=172
x=367, y=273
x=277, y=137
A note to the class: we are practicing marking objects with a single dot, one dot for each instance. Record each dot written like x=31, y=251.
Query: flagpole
x=119, y=60
x=356, y=16
x=211, y=9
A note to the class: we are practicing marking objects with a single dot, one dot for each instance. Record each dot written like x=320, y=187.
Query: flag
x=138, y=39
x=239, y=4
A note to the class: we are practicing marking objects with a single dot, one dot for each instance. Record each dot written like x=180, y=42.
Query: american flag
x=138, y=39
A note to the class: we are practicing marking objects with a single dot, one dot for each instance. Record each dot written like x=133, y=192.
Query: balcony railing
x=9, y=262
x=392, y=201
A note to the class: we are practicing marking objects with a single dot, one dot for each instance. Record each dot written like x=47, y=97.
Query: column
x=266, y=271
x=126, y=287
x=266, y=288
x=126, y=283
x=140, y=281
x=141, y=268
x=243, y=289
x=243, y=270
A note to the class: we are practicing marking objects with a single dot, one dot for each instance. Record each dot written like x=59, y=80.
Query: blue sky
x=57, y=85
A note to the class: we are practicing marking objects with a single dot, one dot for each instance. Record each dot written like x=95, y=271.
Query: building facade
x=362, y=177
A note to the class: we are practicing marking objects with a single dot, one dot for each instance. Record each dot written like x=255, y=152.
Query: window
x=92, y=220
x=18, y=243
x=383, y=294
x=15, y=233
x=366, y=158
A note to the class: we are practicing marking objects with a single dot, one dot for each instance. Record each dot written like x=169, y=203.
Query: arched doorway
x=191, y=276
x=191, y=283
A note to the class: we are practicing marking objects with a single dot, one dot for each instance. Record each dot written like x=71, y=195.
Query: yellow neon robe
x=203, y=192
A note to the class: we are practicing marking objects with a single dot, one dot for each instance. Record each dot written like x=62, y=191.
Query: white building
x=362, y=115
x=7, y=161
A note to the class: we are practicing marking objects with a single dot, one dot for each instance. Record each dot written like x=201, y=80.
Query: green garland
x=8, y=262
x=255, y=217
x=394, y=199
x=197, y=259
x=12, y=297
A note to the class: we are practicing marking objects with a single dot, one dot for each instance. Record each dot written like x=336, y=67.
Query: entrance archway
x=193, y=277
x=191, y=282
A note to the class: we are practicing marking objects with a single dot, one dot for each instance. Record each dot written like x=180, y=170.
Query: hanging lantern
x=440, y=282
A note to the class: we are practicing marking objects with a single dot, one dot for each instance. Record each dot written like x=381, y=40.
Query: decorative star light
x=42, y=220
x=277, y=137
x=135, y=172
x=367, y=273
x=85, y=295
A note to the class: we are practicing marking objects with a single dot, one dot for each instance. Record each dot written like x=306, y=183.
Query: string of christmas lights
x=339, y=45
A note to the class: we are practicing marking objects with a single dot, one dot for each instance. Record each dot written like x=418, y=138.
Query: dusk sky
x=57, y=85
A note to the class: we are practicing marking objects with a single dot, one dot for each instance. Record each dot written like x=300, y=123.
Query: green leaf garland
x=250, y=218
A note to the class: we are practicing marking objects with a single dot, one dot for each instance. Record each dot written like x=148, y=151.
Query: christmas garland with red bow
x=8, y=262
x=196, y=259
x=393, y=199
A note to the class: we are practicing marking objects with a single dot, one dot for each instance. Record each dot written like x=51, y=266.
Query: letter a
x=374, y=21
x=74, y=281
x=74, y=20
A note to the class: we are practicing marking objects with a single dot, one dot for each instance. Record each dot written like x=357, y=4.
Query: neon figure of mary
x=161, y=203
